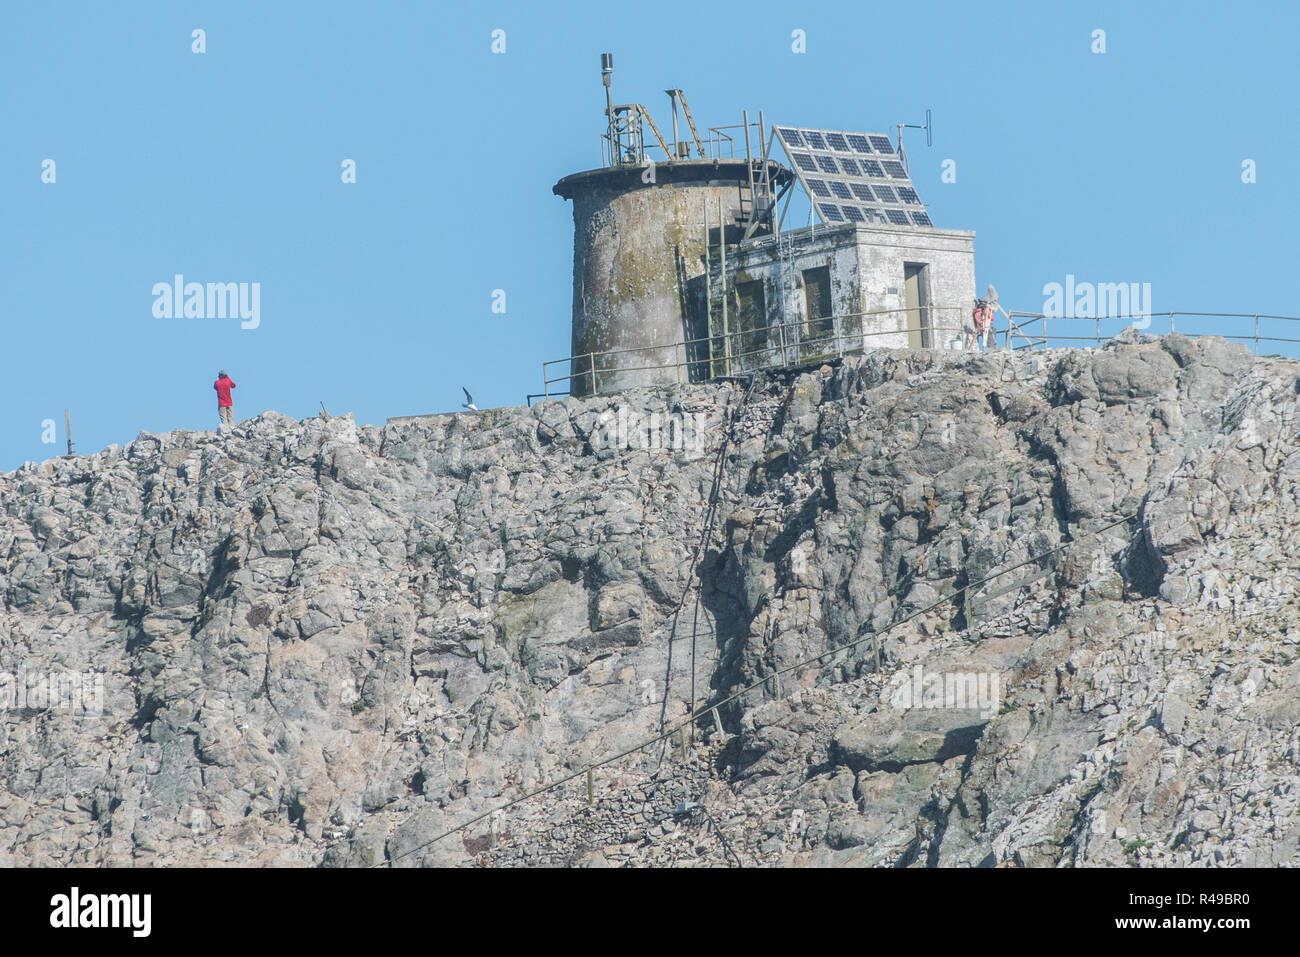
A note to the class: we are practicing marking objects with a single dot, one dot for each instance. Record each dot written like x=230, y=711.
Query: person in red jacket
x=225, y=405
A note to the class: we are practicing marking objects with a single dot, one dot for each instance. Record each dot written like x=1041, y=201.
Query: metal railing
x=723, y=355
x=1027, y=330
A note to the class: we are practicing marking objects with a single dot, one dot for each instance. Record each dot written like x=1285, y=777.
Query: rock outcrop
x=314, y=643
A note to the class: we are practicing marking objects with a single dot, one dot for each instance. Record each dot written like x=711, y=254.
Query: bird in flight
x=469, y=400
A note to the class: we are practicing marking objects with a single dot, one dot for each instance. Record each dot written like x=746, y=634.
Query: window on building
x=817, y=302
x=751, y=316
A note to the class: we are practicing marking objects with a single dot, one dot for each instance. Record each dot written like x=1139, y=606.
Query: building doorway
x=916, y=301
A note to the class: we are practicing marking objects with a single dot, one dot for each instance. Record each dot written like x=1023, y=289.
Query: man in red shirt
x=225, y=405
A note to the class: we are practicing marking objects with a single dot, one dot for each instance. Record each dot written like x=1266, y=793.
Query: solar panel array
x=853, y=177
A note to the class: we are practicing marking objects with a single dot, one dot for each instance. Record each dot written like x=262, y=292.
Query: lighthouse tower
x=641, y=236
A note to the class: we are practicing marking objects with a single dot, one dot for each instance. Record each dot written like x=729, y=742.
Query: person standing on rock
x=225, y=404
x=980, y=330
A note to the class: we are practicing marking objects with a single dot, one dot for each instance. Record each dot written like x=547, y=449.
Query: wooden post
x=591, y=786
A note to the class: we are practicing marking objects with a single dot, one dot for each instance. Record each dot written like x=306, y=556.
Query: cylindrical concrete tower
x=637, y=248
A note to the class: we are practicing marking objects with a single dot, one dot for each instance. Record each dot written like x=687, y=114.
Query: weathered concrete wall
x=950, y=280
x=866, y=265
x=636, y=247
x=790, y=341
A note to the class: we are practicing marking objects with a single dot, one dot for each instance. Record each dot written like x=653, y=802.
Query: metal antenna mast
x=929, y=139
x=606, y=75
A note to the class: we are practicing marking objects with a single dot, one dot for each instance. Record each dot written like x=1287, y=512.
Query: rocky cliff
x=323, y=644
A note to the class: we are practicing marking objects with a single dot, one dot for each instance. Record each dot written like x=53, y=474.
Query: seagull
x=469, y=400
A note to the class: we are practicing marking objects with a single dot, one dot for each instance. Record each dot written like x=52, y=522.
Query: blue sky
x=376, y=297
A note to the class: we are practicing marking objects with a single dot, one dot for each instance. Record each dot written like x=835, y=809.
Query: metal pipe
x=749, y=163
x=767, y=179
x=708, y=287
x=606, y=76
x=722, y=269
x=672, y=95
x=781, y=332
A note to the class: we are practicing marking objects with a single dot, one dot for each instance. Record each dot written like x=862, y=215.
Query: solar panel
x=881, y=186
x=805, y=162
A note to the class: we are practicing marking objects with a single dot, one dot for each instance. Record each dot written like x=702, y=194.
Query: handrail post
x=708, y=293
x=1171, y=322
x=1256, y=333
x=1098, y=318
x=722, y=275
x=781, y=329
x=591, y=370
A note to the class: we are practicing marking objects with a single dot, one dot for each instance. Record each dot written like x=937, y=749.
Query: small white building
x=825, y=290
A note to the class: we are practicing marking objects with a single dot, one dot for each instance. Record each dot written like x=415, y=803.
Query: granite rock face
x=313, y=643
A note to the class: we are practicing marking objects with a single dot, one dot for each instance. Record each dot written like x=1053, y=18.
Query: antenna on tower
x=606, y=77
x=929, y=137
